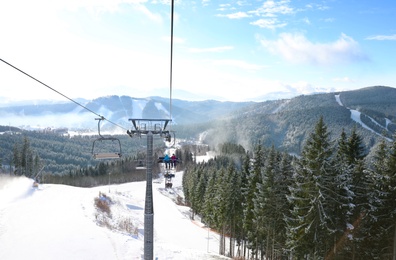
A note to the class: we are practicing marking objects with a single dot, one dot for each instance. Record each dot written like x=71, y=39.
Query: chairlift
x=168, y=183
x=140, y=162
x=97, y=154
x=168, y=138
x=168, y=179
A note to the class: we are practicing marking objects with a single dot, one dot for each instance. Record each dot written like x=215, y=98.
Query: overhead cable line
x=77, y=103
x=171, y=63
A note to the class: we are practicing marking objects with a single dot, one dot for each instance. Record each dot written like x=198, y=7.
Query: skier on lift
x=174, y=160
x=167, y=161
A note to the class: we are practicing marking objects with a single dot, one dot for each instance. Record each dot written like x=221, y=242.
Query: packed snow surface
x=62, y=222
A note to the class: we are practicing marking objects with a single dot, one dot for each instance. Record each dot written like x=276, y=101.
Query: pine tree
x=246, y=168
x=208, y=209
x=309, y=226
x=386, y=212
x=235, y=210
x=221, y=205
x=368, y=201
x=390, y=202
x=355, y=147
x=24, y=154
x=253, y=178
x=16, y=160
x=269, y=202
x=348, y=169
x=284, y=179
x=197, y=186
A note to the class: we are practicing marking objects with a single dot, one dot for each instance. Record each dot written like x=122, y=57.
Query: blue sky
x=224, y=50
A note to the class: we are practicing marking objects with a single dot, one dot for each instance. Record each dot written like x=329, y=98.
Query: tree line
x=334, y=201
x=61, y=154
x=27, y=162
x=128, y=169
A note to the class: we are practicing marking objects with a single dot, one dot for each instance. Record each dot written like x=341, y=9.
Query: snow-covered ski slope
x=61, y=222
x=355, y=116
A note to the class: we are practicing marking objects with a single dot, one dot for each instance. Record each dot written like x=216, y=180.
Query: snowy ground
x=355, y=116
x=61, y=222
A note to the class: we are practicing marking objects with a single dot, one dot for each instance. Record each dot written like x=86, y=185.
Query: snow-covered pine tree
x=386, y=211
x=235, y=210
x=264, y=206
x=200, y=183
x=208, y=209
x=269, y=204
x=246, y=167
x=348, y=166
x=284, y=178
x=253, y=178
x=310, y=223
x=390, y=201
x=368, y=201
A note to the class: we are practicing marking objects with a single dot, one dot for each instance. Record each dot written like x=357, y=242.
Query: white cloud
x=271, y=23
x=382, y=37
x=205, y=2
x=343, y=79
x=269, y=8
x=237, y=15
x=296, y=48
x=304, y=88
x=214, y=49
x=152, y=16
x=238, y=64
x=272, y=8
x=306, y=20
x=328, y=20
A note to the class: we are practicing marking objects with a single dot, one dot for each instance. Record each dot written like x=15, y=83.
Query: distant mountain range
x=117, y=109
x=285, y=123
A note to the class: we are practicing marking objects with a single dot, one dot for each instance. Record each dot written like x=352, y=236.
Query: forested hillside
x=332, y=202
x=61, y=155
x=286, y=124
x=118, y=109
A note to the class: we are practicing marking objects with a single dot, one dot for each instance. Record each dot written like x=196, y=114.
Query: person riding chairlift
x=167, y=161
x=174, y=160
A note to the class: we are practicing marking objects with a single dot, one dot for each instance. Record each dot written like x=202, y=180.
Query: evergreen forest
x=59, y=159
x=334, y=201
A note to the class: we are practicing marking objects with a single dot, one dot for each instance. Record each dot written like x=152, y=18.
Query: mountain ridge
x=285, y=123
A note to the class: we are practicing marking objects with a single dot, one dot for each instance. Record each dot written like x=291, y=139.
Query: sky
x=225, y=50
x=61, y=222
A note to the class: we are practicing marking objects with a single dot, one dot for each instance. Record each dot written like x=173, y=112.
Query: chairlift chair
x=99, y=155
x=140, y=164
x=168, y=183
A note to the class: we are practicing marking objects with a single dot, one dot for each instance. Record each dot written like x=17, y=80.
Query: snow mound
x=14, y=188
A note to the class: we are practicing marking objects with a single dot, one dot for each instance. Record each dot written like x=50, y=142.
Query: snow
x=337, y=97
x=355, y=116
x=61, y=222
x=137, y=108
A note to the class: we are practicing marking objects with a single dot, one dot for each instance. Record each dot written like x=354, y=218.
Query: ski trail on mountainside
x=355, y=116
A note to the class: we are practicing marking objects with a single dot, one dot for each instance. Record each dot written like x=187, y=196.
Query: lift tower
x=149, y=127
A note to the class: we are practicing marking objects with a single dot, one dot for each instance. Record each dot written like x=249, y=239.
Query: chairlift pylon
x=105, y=155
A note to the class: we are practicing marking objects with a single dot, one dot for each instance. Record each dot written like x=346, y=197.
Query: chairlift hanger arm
x=105, y=155
x=136, y=122
x=99, y=119
x=144, y=126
